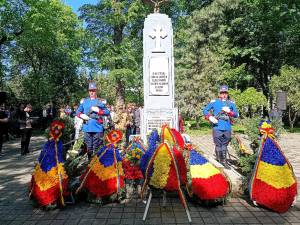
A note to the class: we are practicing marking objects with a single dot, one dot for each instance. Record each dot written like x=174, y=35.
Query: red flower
x=114, y=136
x=56, y=129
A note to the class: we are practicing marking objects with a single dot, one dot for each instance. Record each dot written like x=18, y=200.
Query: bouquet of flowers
x=134, y=155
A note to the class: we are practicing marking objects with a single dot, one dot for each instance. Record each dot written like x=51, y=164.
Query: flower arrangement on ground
x=49, y=179
x=273, y=183
x=104, y=175
x=205, y=181
x=133, y=174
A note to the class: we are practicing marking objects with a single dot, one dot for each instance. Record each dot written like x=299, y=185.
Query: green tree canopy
x=239, y=42
x=45, y=58
x=262, y=36
x=249, y=102
x=115, y=29
x=199, y=62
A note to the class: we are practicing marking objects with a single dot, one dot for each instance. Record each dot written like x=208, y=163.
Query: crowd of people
x=18, y=122
x=92, y=116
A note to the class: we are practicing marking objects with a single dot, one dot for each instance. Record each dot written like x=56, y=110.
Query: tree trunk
x=197, y=122
x=292, y=118
x=120, y=86
x=120, y=93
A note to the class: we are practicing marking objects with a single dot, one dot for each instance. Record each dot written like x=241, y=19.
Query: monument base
x=154, y=119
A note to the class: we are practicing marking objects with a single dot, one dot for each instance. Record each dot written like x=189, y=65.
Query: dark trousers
x=25, y=140
x=221, y=140
x=93, y=141
x=137, y=130
x=128, y=132
x=1, y=141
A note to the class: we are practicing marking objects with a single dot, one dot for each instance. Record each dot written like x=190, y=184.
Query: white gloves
x=226, y=109
x=84, y=116
x=95, y=109
x=213, y=119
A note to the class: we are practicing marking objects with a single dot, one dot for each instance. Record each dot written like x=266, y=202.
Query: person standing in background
x=44, y=118
x=129, y=124
x=137, y=120
x=4, y=118
x=25, y=127
x=180, y=123
x=51, y=113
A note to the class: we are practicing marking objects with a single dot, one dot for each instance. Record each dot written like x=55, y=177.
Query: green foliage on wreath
x=134, y=155
x=247, y=163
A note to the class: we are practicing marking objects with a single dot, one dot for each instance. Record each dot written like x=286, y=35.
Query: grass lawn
x=205, y=128
x=295, y=130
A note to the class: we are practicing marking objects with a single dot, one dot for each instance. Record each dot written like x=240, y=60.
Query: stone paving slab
x=15, y=208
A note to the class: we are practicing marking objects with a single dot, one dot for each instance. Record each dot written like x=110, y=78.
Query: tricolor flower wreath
x=204, y=180
x=49, y=180
x=265, y=127
x=172, y=137
x=104, y=174
x=273, y=183
x=153, y=142
x=165, y=167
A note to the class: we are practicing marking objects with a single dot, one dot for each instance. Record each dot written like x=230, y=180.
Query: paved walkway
x=15, y=208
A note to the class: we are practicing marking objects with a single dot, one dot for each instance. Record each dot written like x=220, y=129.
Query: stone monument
x=158, y=74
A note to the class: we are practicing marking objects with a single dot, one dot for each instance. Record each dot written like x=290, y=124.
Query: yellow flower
x=265, y=125
x=161, y=167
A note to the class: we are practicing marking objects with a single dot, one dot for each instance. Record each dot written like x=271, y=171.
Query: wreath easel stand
x=181, y=194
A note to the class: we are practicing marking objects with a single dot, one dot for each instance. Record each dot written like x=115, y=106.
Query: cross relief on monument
x=158, y=34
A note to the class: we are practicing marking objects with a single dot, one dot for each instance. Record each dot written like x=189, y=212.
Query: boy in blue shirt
x=220, y=112
x=91, y=110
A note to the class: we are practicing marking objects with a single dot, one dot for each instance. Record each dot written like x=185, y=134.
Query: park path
x=15, y=208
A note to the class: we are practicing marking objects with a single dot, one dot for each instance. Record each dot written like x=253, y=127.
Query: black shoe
x=219, y=156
